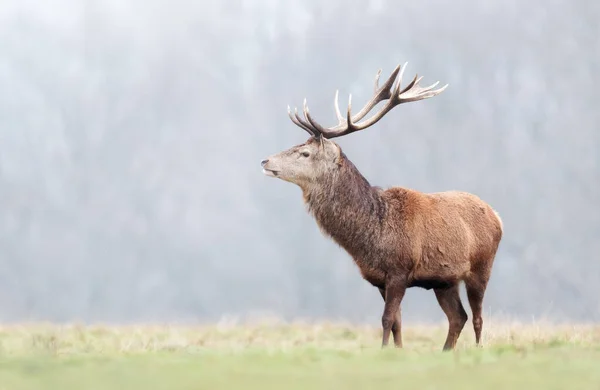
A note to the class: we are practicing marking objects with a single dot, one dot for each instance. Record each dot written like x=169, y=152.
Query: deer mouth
x=270, y=172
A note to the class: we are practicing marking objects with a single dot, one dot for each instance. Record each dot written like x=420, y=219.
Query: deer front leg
x=394, y=292
x=397, y=327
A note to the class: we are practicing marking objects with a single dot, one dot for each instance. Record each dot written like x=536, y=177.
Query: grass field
x=295, y=356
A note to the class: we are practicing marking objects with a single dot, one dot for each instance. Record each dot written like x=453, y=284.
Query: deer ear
x=338, y=154
x=333, y=150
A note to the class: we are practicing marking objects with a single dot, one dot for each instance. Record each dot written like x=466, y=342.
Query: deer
x=398, y=237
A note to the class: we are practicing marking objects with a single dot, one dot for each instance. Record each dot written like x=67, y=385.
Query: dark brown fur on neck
x=348, y=209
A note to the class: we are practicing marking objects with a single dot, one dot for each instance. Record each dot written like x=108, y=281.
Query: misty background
x=131, y=134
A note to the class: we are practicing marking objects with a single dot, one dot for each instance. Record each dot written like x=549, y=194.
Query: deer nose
x=263, y=162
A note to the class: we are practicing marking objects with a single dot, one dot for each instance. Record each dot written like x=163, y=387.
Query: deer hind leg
x=449, y=300
x=476, y=285
x=397, y=326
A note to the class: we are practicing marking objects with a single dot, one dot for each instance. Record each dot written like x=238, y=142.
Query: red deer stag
x=398, y=237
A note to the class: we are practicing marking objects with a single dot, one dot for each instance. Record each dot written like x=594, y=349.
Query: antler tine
x=377, y=81
x=336, y=104
x=429, y=88
x=410, y=85
x=300, y=123
x=310, y=124
x=315, y=126
x=349, y=115
x=396, y=92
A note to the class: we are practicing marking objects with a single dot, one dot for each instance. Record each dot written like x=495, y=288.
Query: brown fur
x=401, y=238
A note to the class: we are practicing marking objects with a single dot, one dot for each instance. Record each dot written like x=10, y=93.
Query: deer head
x=316, y=158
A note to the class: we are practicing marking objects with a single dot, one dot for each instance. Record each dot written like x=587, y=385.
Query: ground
x=295, y=356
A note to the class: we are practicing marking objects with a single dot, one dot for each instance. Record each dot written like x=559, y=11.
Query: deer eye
x=305, y=154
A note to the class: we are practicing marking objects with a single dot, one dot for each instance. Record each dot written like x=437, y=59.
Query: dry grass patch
x=98, y=339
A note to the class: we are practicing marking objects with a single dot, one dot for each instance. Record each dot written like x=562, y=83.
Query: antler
x=411, y=93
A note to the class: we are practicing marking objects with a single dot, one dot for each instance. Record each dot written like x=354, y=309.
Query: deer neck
x=347, y=208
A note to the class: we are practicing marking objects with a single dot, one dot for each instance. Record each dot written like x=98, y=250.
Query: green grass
x=295, y=356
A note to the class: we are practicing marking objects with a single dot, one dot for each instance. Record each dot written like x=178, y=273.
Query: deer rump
x=449, y=235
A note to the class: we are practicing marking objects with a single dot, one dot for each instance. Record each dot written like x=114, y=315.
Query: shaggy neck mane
x=347, y=208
